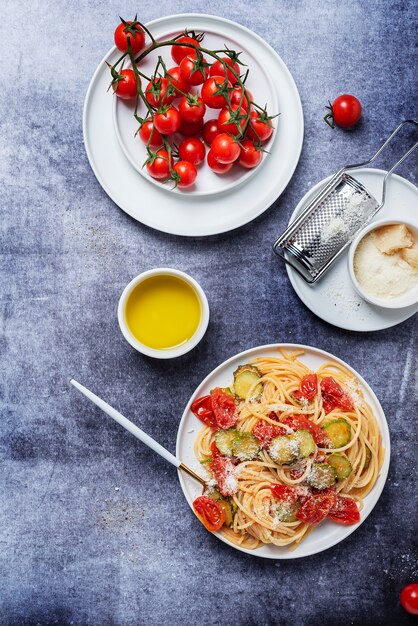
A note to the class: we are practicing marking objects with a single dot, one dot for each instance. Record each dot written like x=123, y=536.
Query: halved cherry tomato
x=301, y=422
x=202, y=408
x=131, y=31
x=345, y=511
x=179, y=52
x=150, y=135
x=192, y=149
x=158, y=165
x=225, y=149
x=224, y=408
x=333, y=395
x=218, y=69
x=159, y=92
x=167, y=120
x=179, y=84
x=232, y=120
x=250, y=156
x=317, y=507
x=235, y=97
x=209, y=131
x=190, y=128
x=193, y=70
x=264, y=432
x=210, y=513
x=223, y=471
x=260, y=127
x=124, y=85
x=216, y=166
x=192, y=108
x=210, y=89
x=283, y=492
x=309, y=386
x=186, y=172
x=214, y=450
x=409, y=598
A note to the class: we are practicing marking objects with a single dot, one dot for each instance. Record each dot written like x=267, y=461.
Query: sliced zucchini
x=286, y=511
x=225, y=441
x=322, y=475
x=226, y=505
x=338, y=432
x=245, y=377
x=306, y=442
x=341, y=465
x=368, y=458
x=284, y=450
x=245, y=446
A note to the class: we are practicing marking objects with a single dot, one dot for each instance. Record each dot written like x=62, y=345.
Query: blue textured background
x=94, y=529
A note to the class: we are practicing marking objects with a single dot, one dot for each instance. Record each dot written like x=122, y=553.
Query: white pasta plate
x=328, y=533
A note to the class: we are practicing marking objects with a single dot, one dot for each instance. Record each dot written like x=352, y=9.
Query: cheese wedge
x=394, y=237
x=410, y=255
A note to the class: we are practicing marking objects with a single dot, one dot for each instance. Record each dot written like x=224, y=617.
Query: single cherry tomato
x=345, y=111
x=301, y=422
x=218, y=69
x=232, y=120
x=345, y=511
x=283, y=492
x=131, y=31
x=214, y=450
x=225, y=149
x=260, y=127
x=193, y=70
x=235, y=97
x=179, y=84
x=250, y=156
x=216, y=166
x=209, y=131
x=190, y=128
x=202, y=408
x=186, y=174
x=210, y=513
x=159, y=92
x=224, y=407
x=333, y=395
x=317, y=507
x=264, y=432
x=150, y=135
x=158, y=165
x=167, y=120
x=192, y=149
x=179, y=52
x=210, y=89
x=223, y=471
x=191, y=108
x=409, y=598
x=124, y=85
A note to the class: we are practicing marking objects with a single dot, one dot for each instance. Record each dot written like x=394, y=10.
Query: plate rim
x=383, y=425
x=238, y=223
x=292, y=274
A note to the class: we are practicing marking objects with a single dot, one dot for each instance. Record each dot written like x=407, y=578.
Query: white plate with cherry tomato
x=214, y=203
x=326, y=534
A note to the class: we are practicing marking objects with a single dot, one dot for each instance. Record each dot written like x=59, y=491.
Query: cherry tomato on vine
x=218, y=69
x=216, y=166
x=345, y=111
x=260, y=127
x=192, y=149
x=124, y=85
x=235, y=97
x=186, y=172
x=190, y=128
x=193, y=71
x=209, y=131
x=179, y=52
x=409, y=598
x=225, y=149
x=179, y=84
x=209, y=92
x=158, y=164
x=237, y=114
x=158, y=93
x=150, y=135
x=210, y=513
x=250, y=156
x=134, y=32
x=167, y=120
x=192, y=108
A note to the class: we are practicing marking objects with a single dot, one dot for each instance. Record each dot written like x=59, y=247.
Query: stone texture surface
x=94, y=529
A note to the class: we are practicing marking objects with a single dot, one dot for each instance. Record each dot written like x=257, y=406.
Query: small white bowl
x=169, y=353
x=408, y=298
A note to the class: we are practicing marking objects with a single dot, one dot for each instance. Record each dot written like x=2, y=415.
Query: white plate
x=207, y=183
x=180, y=214
x=334, y=298
x=327, y=534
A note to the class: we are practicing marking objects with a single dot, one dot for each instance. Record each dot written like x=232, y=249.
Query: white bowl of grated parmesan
x=383, y=263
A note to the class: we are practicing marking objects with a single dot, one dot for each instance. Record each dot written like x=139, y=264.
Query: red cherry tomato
x=192, y=71
x=317, y=507
x=202, y=408
x=301, y=422
x=222, y=470
x=150, y=135
x=210, y=513
x=283, y=492
x=159, y=93
x=158, y=165
x=345, y=111
x=187, y=173
x=190, y=128
x=225, y=149
x=209, y=92
x=216, y=166
x=218, y=69
x=232, y=120
x=409, y=598
x=191, y=108
x=192, y=149
x=167, y=120
x=209, y=131
x=224, y=407
x=134, y=32
x=309, y=386
x=333, y=395
x=264, y=432
x=345, y=511
x=250, y=156
x=260, y=127
x=235, y=97
x=125, y=85
x=179, y=52
x=179, y=84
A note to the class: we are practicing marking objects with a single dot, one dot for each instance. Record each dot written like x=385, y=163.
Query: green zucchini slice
x=322, y=475
x=286, y=511
x=284, y=450
x=225, y=441
x=245, y=446
x=341, y=465
x=306, y=443
x=245, y=376
x=338, y=432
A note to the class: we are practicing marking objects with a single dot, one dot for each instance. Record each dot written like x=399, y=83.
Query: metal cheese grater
x=324, y=229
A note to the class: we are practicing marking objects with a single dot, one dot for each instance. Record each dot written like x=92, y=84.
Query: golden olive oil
x=163, y=312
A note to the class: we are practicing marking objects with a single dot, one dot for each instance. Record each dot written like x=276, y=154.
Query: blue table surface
x=94, y=528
